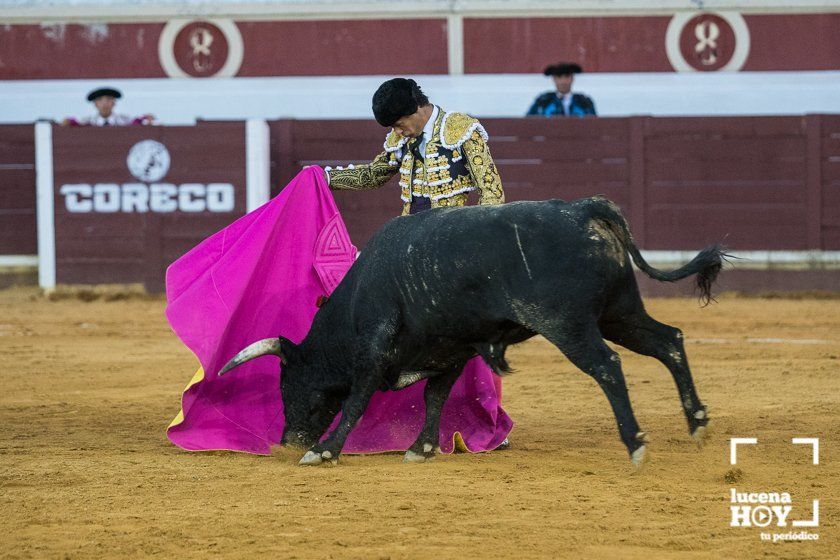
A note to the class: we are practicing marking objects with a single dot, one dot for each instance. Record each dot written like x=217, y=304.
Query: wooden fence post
x=282, y=154
x=636, y=155
x=813, y=180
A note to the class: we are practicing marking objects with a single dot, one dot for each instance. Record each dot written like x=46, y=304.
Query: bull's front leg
x=436, y=392
x=369, y=366
x=351, y=411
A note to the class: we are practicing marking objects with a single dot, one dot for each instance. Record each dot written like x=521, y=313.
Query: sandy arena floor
x=87, y=472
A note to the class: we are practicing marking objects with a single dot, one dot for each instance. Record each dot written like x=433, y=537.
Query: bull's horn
x=255, y=350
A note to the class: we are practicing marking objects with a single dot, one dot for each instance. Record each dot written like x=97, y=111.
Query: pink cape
x=261, y=277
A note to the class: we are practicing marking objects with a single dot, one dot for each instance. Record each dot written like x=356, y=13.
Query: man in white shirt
x=105, y=99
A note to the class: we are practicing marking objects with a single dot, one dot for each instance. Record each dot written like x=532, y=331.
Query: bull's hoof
x=313, y=458
x=700, y=421
x=700, y=435
x=412, y=457
x=639, y=457
x=427, y=455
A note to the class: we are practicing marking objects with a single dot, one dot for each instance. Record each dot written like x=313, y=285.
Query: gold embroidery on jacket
x=483, y=170
x=366, y=176
x=456, y=161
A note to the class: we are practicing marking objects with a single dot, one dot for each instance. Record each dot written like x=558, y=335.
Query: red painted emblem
x=200, y=49
x=707, y=42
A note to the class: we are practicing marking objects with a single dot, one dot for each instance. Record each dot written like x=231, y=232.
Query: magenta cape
x=261, y=277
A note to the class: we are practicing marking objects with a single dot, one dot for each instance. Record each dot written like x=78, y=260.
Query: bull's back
x=456, y=230
x=474, y=263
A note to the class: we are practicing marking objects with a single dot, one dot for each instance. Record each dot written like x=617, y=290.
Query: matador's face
x=411, y=126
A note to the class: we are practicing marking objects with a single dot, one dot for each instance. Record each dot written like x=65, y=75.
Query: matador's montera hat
x=397, y=98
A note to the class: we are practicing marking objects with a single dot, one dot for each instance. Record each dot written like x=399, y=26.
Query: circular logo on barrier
x=707, y=42
x=148, y=161
x=200, y=48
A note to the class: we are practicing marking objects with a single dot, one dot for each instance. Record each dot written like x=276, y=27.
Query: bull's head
x=310, y=401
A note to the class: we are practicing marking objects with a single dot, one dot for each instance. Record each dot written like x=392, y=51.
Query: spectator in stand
x=104, y=99
x=562, y=102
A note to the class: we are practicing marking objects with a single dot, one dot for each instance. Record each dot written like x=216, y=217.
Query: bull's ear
x=287, y=349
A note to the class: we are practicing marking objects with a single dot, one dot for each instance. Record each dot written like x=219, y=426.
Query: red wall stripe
x=336, y=48
x=794, y=42
x=614, y=44
x=64, y=51
x=411, y=46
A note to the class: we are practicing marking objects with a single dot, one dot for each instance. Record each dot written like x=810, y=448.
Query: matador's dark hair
x=397, y=98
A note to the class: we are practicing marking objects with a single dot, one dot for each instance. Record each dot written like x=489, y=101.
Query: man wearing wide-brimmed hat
x=104, y=99
x=562, y=102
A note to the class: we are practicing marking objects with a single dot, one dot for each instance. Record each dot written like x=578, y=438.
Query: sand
x=88, y=388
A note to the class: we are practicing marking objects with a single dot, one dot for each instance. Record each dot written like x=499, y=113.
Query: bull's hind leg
x=634, y=329
x=586, y=349
x=436, y=392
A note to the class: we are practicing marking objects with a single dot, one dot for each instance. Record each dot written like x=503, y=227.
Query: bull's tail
x=706, y=265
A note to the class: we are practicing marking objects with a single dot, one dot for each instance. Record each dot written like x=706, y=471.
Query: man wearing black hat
x=441, y=157
x=562, y=102
x=104, y=99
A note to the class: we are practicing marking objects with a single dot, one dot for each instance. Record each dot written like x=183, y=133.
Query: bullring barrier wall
x=769, y=187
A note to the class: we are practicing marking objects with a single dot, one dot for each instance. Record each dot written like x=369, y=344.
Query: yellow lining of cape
x=197, y=378
x=459, y=444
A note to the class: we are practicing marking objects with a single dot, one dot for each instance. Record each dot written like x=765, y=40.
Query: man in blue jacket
x=562, y=102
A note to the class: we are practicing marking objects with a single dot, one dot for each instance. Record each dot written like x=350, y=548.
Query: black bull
x=432, y=290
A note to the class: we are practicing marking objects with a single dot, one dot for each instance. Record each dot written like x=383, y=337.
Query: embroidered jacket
x=456, y=161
